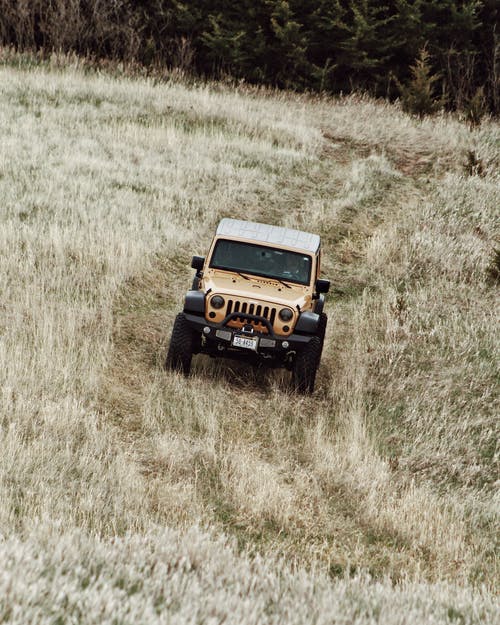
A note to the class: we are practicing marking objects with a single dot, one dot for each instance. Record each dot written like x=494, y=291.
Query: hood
x=257, y=289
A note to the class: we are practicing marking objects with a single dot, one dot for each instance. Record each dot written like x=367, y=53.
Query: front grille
x=238, y=306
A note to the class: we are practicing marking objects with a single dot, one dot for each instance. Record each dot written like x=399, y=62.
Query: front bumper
x=218, y=340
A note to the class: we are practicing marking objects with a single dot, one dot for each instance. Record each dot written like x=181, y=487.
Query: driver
x=293, y=267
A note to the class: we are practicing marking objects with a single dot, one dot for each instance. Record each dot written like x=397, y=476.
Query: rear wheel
x=305, y=366
x=180, y=350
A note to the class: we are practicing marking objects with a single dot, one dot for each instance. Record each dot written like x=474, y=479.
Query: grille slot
x=240, y=306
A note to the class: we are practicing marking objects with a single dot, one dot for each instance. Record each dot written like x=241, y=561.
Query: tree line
x=334, y=46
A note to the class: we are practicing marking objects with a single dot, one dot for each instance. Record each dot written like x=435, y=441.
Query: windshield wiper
x=241, y=274
x=281, y=282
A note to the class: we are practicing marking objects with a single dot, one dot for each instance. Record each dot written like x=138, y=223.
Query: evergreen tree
x=287, y=51
x=325, y=31
x=451, y=26
x=407, y=39
x=366, y=49
x=418, y=96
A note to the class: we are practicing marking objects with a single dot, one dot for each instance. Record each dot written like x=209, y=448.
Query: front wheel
x=305, y=367
x=180, y=350
x=323, y=320
x=322, y=323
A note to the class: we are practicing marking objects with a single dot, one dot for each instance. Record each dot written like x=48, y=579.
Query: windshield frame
x=251, y=272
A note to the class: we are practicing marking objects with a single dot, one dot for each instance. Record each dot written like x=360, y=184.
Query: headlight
x=217, y=301
x=285, y=314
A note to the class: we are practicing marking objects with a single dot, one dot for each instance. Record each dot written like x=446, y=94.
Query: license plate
x=246, y=343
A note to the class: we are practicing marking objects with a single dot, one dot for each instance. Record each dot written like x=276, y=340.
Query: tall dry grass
x=108, y=187
x=163, y=577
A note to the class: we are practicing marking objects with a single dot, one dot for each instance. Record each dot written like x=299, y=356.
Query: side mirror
x=322, y=286
x=198, y=262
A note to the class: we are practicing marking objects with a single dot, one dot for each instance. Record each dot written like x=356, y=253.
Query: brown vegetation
x=109, y=187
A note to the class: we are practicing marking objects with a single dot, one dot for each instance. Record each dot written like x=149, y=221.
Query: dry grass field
x=132, y=495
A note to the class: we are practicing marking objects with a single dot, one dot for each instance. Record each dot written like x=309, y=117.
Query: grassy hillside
x=135, y=494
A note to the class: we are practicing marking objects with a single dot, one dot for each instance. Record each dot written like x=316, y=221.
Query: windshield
x=260, y=260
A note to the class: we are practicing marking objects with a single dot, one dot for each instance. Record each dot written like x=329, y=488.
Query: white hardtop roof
x=271, y=235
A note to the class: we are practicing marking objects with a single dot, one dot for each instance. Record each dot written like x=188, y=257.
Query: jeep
x=257, y=297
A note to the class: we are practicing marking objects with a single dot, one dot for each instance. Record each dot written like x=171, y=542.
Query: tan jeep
x=257, y=297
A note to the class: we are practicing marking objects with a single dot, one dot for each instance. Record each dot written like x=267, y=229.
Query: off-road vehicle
x=257, y=296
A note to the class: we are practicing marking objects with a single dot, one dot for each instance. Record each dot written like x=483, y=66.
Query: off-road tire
x=323, y=320
x=180, y=350
x=305, y=367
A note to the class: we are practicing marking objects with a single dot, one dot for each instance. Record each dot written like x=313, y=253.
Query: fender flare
x=194, y=302
x=307, y=323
